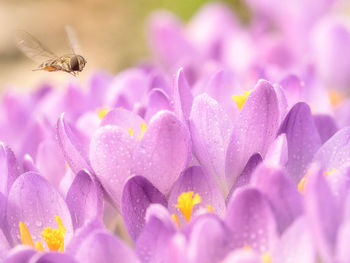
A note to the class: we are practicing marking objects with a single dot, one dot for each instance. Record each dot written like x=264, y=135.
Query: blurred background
x=112, y=33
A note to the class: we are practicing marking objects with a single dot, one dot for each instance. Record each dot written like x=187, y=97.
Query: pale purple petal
x=9, y=169
x=326, y=126
x=153, y=242
x=221, y=86
x=73, y=146
x=103, y=246
x=302, y=138
x=322, y=213
x=52, y=257
x=81, y=234
x=138, y=194
x=124, y=119
x=182, y=96
x=28, y=164
x=292, y=87
x=20, y=254
x=4, y=245
x=343, y=239
x=84, y=199
x=164, y=151
x=242, y=256
x=335, y=153
x=196, y=180
x=277, y=154
x=210, y=240
x=254, y=131
x=295, y=245
x=210, y=130
x=157, y=100
x=250, y=217
x=282, y=193
x=33, y=201
x=244, y=177
x=167, y=39
x=111, y=158
x=50, y=161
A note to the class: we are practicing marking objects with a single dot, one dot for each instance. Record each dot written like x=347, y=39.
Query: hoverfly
x=32, y=48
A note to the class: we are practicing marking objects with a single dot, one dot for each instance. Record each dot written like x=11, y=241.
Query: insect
x=32, y=48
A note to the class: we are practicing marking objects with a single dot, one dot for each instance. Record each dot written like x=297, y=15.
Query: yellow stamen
x=210, y=208
x=25, y=235
x=54, y=238
x=186, y=202
x=39, y=246
x=266, y=257
x=143, y=129
x=241, y=99
x=335, y=98
x=301, y=185
x=102, y=112
x=328, y=173
x=176, y=220
x=131, y=132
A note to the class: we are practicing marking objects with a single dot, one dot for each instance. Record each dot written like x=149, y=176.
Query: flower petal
x=52, y=257
x=50, y=161
x=251, y=220
x=157, y=100
x=254, y=131
x=322, y=213
x=282, y=193
x=295, y=245
x=326, y=126
x=84, y=199
x=73, y=146
x=20, y=254
x=196, y=180
x=335, y=153
x=277, y=154
x=182, y=96
x=302, y=138
x=210, y=239
x=124, y=119
x=210, y=130
x=111, y=158
x=8, y=168
x=138, y=194
x=102, y=246
x=244, y=177
x=159, y=230
x=164, y=151
x=33, y=201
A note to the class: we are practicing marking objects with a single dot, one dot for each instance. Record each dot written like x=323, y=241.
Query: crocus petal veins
x=54, y=238
x=241, y=99
x=185, y=202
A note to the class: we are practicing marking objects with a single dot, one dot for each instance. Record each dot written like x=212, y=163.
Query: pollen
x=328, y=173
x=210, y=208
x=143, y=130
x=335, y=98
x=301, y=185
x=25, y=235
x=185, y=202
x=241, y=99
x=266, y=257
x=102, y=112
x=176, y=220
x=131, y=132
x=54, y=237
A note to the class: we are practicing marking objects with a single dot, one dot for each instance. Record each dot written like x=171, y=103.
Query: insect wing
x=73, y=40
x=32, y=48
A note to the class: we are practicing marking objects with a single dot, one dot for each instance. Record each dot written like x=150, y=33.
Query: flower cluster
x=233, y=147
